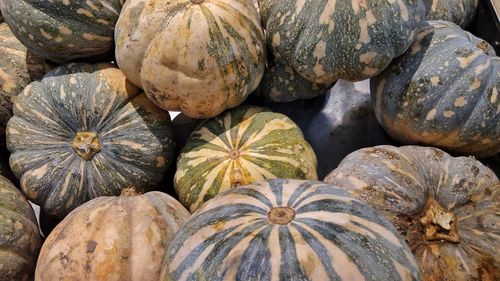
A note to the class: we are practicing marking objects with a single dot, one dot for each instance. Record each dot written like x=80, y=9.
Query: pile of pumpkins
x=279, y=167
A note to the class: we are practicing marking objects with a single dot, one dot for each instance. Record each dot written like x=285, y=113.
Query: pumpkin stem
x=281, y=215
x=86, y=145
x=439, y=223
x=129, y=192
x=234, y=153
x=483, y=46
x=197, y=1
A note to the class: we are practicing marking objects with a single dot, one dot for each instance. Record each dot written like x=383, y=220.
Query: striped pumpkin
x=460, y=12
x=84, y=131
x=240, y=147
x=443, y=92
x=195, y=56
x=447, y=208
x=288, y=230
x=64, y=30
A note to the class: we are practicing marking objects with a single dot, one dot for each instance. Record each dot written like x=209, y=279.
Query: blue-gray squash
x=460, y=12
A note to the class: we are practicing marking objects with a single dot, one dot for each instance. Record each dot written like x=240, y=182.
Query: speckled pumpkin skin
x=443, y=92
x=20, y=239
x=122, y=140
x=460, y=12
x=112, y=239
x=327, y=40
x=198, y=58
x=403, y=183
x=64, y=30
x=242, y=146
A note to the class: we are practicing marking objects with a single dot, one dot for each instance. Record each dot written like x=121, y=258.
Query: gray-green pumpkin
x=64, y=30
x=85, y=131
x=442, y=92
x=460, y=12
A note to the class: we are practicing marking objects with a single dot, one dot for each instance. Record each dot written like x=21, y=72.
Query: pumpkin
x=461, y=12
x=82, y=132
x=64, y=30
x=446, y=208
x=242, y=146
x=195, y=56
x=20, y=240
x=443, y=92
x=327, y=40
x=86, y=246
x=287, y=230
x=18, y=67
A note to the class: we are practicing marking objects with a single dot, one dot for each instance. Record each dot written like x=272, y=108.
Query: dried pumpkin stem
x=197, y=1
x=86, y=145
x=439, y=223
x=281, y=215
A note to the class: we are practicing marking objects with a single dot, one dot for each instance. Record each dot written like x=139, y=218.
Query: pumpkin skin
x=63, y=30
x=460, y=12
x=198, y=57
x=86, y=246
x=82, y=132
x=19, y=236
x=287, y=230
x=351, y=40
x=447, y=208
x=242, y=146
x=443, y=92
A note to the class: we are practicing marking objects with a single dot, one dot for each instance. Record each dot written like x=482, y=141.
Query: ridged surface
x=20, y=240
x=402, y=182
x=112, y=239
x=460, y=12
x=196, y=58
x=135, y=137
x=443, y=92
x=331, y=237
x=240, y=147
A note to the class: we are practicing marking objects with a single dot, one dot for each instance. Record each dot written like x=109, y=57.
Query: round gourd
x=196, y=56
x=325, y=40
x=64, y=30
x=287, y=230
x=112, y=238
x=443, y=92
x=446, y=208
x=461, y=12
x=84, y=131
x=242, y=146
x=20, y=240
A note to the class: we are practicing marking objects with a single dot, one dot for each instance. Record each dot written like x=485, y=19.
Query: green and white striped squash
x=200, y=57
x=20, y=240
x=288, y=230
x=442, y=92
x=64, y=30
x=242, y=146
x=85, y=131
x=460, y=12
x=327, y=40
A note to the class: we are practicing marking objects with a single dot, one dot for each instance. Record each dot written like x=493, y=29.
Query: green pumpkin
x=84, y=131
x=64, y=30
x=195, y=56
x=442, y=92
x=327, y=40
x=242, y=146
x=20, y=239
x=460, y=12
x=288, y=230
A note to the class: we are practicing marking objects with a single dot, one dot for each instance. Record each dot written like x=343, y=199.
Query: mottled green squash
x=64, y=30
x=241, y=146
x=20, y=239
x=327, y=40
x=460, y=12
x=442, y=92
x=200, y=57
x=112, y=238
x=85, y=131
x=446, y=208
x=288, y=230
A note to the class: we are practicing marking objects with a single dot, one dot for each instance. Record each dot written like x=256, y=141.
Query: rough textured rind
x=242, y=146
x=136, y=143
x=64, y=30
x=330, y=236
x=460, y=12
x=200, y=59
x=443, y=92
x=112, y=239
x=20, y=240
x=327, y=40
x=403, y=182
